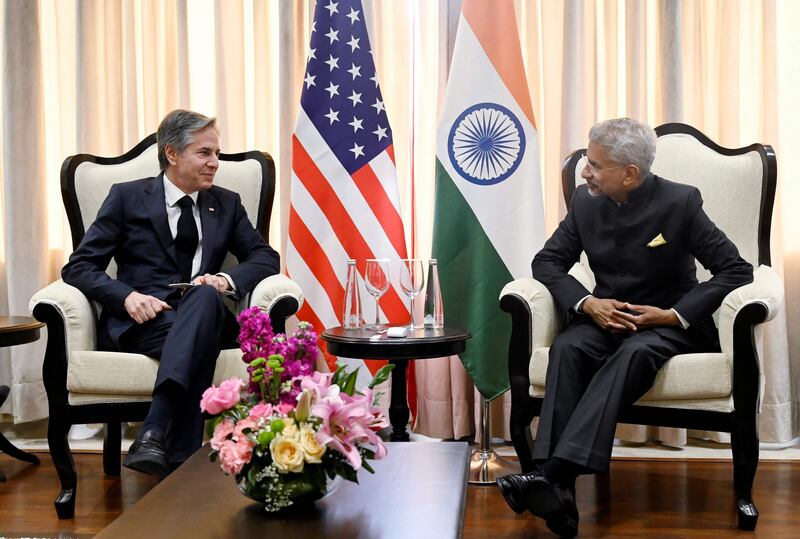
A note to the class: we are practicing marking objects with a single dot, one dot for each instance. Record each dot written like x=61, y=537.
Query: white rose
x=311, y=447
x=287, y=454
x=290, y=428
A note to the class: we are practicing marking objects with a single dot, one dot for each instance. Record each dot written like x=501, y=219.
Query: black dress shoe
x=514, y=488
x=565, y=524
x=147, y=454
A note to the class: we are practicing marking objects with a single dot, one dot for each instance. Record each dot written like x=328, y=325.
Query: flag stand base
x=485, y=465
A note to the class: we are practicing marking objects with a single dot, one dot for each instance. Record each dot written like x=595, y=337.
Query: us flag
x=344, y=198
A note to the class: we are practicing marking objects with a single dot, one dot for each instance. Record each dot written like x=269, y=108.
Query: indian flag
x=489, y=219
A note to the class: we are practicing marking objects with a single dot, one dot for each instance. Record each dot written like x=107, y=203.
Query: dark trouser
x=187, y=341
x=591, y=374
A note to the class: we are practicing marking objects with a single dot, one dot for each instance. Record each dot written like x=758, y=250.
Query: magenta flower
x=255, y=333
x=216, y=399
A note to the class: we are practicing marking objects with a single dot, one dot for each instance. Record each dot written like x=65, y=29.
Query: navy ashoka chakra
x=486, y=143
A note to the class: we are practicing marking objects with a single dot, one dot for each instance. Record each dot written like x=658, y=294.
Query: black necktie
x=186, y=239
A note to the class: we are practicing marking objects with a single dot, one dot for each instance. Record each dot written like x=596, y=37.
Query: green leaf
x=350, y=383
x=366, y=466
x=211, y=425
x=381, y=376
x=340, y=375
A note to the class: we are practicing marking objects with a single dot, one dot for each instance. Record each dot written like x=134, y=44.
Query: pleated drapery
x=96, y=76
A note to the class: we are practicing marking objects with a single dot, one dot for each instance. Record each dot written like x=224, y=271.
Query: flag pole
x=485, y=465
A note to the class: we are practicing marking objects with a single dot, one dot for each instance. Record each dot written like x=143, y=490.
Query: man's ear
x=631, y=174
x=171, y=153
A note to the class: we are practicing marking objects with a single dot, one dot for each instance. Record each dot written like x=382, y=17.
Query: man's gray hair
x=627, y=141
x=177, y=129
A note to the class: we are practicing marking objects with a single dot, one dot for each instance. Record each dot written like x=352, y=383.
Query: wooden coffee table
x=418, y=490
x=419, y=344
x=16, y=330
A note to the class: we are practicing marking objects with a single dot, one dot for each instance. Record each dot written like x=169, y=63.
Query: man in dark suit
x=641, y=234
x=176, y=227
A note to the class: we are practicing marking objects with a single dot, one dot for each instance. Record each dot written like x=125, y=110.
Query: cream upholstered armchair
x=711, y=391
x=85, y=385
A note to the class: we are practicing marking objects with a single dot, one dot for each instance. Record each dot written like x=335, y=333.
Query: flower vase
x=299, y=503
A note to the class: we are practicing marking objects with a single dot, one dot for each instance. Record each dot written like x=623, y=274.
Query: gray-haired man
x=175, y=227
x=641, y=234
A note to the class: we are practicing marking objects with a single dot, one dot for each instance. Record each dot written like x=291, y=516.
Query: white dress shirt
x=171, y=197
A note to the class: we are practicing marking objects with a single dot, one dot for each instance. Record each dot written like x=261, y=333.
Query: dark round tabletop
x=419, y=344
x=18, y=330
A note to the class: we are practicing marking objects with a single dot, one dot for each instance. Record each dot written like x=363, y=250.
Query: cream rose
x=287, y=454
x=290, y=428
x=311, y=447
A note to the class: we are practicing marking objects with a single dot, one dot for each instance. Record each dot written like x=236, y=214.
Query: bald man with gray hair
x=642, y=235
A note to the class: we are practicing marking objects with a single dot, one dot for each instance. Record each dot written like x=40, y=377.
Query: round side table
x=16, y=330
x=419, y=344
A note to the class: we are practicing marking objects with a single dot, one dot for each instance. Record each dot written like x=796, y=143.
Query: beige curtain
x=97, y=75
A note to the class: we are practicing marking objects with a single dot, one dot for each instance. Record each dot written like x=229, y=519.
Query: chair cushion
x=94, y=377
x=683, y=378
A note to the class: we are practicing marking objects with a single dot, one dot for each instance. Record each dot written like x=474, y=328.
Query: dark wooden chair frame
x=54, y=371
x=740, y=423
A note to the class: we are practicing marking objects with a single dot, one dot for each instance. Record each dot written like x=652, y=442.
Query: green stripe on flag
x=472, y=275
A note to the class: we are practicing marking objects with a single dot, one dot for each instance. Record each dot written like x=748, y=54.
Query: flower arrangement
x=290, y=429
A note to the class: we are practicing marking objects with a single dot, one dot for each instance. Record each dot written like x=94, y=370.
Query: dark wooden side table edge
x=16, y=330
x=398, y=352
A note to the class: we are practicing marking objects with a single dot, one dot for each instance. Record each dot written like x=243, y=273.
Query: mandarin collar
x=643, y=191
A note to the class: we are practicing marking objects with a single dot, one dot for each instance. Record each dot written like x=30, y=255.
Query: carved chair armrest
x=739, y=320
x=531, y=306
x=281, y=297
x=76, y=311
x=766, y=290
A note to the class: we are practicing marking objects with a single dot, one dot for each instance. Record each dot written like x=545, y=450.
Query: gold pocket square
x=657, y=241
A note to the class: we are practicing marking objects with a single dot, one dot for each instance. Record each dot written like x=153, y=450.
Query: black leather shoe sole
x=149, y=463
x=508, y=491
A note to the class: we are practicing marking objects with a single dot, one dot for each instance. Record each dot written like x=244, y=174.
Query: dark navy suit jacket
x=132, y=227
x=616, y=237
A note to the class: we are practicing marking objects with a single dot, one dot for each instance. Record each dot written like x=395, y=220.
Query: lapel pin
x=211, y=209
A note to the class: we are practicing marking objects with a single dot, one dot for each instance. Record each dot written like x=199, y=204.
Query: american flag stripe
x=345, y=201
x=312, y=254
x=327, y=318
x=320, y=228
x=316, y=308
x=385, y=170
x=352, y=237
x=327, y=169
x=372, y=190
